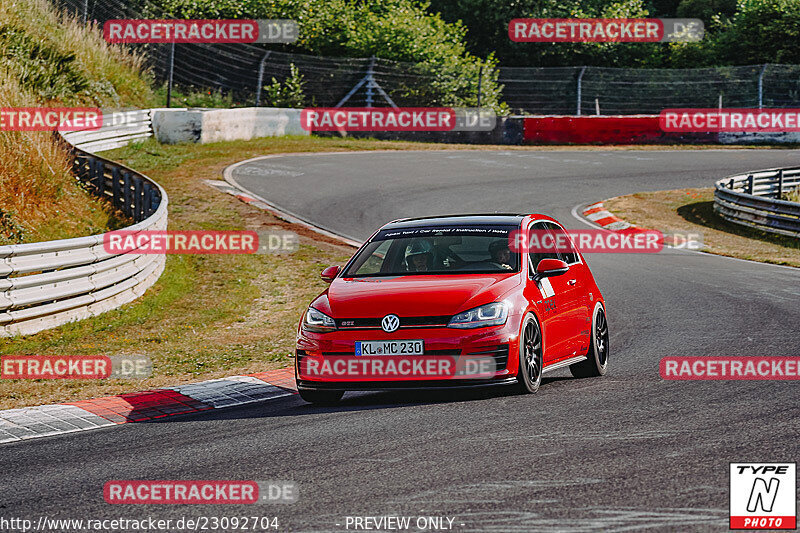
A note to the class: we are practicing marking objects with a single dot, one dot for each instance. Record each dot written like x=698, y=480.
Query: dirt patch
x=692, y=210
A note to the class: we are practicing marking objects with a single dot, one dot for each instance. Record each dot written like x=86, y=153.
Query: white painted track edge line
x=293, y=218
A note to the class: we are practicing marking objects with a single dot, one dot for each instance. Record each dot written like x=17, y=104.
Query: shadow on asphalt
x=290, y=406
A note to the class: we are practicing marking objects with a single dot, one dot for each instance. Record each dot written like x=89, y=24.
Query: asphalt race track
x=625, y=452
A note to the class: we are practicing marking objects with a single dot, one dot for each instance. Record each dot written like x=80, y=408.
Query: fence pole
x=85, y=11
x=780, y=184
x=370, y=70
x=750, y=183
x=259, y=83
x=580, y=78
x=480, y=76
x=171, y=70
x=761, y=87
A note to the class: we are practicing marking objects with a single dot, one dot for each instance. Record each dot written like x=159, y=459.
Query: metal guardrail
x=46, y=284
x=754, y=200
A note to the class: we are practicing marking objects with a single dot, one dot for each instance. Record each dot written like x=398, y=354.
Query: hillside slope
x=46, y=59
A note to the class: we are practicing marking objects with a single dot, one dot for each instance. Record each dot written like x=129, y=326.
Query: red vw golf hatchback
x=450, y=301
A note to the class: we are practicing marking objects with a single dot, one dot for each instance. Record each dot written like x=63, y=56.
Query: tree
x=761, y=31
x=487, y=31
x=398, y=30
x=706, y=10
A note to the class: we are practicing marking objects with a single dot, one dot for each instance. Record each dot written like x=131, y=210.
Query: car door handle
x=572, y=281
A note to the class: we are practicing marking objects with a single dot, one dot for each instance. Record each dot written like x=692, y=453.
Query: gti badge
x=390, y=323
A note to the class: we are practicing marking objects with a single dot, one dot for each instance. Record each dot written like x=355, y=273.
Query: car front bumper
x=496, y=347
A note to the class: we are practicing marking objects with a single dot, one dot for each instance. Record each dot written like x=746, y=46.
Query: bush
x=289, y=93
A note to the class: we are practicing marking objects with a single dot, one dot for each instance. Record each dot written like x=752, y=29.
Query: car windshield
x=436, y=250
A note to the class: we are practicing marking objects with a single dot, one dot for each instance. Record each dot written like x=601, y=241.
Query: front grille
x=499, y=353
x=405, y=322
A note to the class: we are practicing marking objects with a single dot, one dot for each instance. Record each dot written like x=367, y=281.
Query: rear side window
x=568, y=255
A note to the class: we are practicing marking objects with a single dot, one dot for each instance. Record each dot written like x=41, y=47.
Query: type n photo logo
x=763, y=496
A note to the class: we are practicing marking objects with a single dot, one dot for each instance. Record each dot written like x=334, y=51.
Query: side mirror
x=329, y=273
x=550, y=267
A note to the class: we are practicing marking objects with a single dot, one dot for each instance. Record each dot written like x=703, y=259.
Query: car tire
x=529, y=375
x=321, y=397
x=596, y=363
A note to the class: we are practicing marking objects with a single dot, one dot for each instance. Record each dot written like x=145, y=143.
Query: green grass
x=58, y=59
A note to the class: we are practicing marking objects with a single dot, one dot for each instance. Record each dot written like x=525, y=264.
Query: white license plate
x=406, y=347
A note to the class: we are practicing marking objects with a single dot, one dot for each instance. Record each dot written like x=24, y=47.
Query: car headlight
x=318, y=321
x=493, y=314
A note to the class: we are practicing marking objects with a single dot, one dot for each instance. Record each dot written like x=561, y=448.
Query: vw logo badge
x=390, y=323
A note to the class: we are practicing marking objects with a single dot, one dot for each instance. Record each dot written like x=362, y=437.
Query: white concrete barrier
x=172, y=126
x=760, y=138
x=213, y=125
